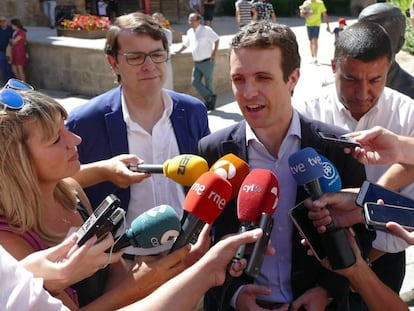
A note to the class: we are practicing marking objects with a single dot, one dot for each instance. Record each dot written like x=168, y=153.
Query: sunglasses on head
x=9, y=98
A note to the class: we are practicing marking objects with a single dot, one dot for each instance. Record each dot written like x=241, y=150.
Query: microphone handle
x=256, y=258
x=147, y=168
x=189, y=233
x=245, y=226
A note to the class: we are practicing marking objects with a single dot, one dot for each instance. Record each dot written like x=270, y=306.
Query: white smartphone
x=377, y=215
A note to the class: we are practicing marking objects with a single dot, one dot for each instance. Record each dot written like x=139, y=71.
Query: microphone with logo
x=233, y=169
x=155, y=228
x=307, y=168
x=184, y=169
x=256, y=203
x=204, y=202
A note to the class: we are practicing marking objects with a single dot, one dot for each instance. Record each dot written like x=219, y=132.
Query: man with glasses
x=138, y=117
x=203, y=42
x=6, y=33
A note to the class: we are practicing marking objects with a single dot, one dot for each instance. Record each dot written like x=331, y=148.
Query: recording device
x=233, y=169
x=370, y=192
x=306, y=167
x=338, y=140
x=377, y=215
x=184, y=169
x=104, y=219
x=157, y=227
x=256, y=203
x=204, y=202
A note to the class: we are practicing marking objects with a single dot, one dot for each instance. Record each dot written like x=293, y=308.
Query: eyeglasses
x=9, y=98
x=138, y=58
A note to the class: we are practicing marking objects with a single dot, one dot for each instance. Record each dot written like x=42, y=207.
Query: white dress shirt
x=201, y=42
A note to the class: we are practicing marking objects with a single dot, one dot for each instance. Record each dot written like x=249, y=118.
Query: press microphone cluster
x=157, y=227
x=307, y=168
x=256, y=203
x=183, y=169
x=204, y=202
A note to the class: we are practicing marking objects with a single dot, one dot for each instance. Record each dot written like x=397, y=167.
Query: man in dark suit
x=264, y=68
x=138, y=117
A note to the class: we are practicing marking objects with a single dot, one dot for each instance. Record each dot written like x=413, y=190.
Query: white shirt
x=153, y=148
x=394, y=111
x=19, y=290
x=201, y=42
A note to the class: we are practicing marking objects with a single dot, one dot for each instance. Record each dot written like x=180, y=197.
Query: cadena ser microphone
x=256, y=203
x=307, y=168
x=157, y=227
x=183, y=169
x=233, y=169
x=204, y=202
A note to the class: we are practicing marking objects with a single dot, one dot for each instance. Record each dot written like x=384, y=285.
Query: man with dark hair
x=393, y=20
x=6, y=33
x=138, y=117
x=360, y=100
x=264, y=69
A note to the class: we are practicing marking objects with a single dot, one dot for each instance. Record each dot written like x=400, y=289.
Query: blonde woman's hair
x=20, y=195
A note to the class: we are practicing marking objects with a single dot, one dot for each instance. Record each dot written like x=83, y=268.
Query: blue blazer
x=306, y=270
x=101, y=126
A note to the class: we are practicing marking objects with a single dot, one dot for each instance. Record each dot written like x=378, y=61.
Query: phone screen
x=307, y=230
x=371, y=192
x=378, y=215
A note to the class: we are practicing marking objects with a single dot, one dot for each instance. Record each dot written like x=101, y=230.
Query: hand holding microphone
x=307, y=168
x=157, y=227
x=184, y=169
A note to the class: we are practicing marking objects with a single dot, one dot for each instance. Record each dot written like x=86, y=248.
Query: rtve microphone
x=307, y=168
x=233, y=169
x=157, y=227
x=204, y=202
x=256, y=203
x=183, y=169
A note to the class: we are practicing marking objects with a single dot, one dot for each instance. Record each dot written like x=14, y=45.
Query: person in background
x=337, y=30
x=159, y=18
x=138, y=118
x=6, y=33
x=203, y=42
x=49, y=7
x=263, y=10
x=393, y=20
x=244, y=12
x=312, y=10
x=359, y=100
x=19, y=49
x=112, y=10
x=207, y=8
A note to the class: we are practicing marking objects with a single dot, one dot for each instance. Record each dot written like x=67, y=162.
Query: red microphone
x=256, y=204
x=204, y=202
x=233, y=169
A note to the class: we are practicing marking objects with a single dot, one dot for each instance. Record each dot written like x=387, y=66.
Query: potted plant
x=84, y=26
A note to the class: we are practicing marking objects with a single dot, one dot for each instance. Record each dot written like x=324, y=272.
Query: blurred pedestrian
x=263, y=10
x=208, y=7
x=19, y=50
x=244, y=12
x=112, y=10
x=203, y=42
x=337, y=30
x=312, y=10
x=6, y=33
x=49, y=7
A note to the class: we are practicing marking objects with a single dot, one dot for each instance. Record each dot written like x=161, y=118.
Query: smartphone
x=371, y=192
x=104, y=218
x=338, y=140
x=377, y=215
x=299, y=216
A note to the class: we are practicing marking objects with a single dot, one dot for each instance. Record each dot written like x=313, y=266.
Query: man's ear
x=113, y=63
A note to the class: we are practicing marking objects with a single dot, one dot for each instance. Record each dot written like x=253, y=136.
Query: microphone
x=256, y=203
x=204, y=202
x=233, y=169
x=307, y=168
x=157, y=227
x=184, y=169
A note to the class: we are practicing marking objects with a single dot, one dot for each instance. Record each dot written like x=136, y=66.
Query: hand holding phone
x=338, y=140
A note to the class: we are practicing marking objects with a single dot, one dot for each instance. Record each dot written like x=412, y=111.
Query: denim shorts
x=313, y=32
